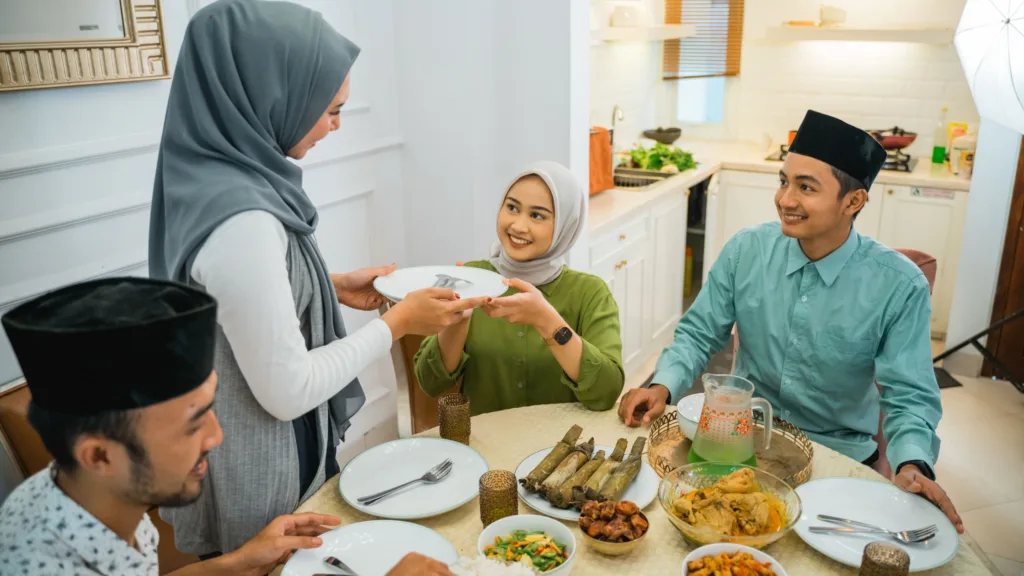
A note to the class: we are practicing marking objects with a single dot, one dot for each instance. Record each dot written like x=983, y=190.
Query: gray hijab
x=253, y=77
x=567, y=199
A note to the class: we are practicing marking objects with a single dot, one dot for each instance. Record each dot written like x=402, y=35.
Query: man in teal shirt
x=822, y=314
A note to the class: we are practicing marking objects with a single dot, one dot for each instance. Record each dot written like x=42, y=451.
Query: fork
x=432, y=476
x=906, y=536
x=446, y=281
x=346, y=571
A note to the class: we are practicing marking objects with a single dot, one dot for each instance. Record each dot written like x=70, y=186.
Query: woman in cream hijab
x=554, y=336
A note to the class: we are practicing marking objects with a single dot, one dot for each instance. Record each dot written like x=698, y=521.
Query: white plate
x=397, y=462
x=716, y=549
x=641, y=492
x=878, y=503
x=371, y=548
x=399, y=283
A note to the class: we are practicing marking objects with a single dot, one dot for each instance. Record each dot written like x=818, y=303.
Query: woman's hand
x=529, y=307
x=356, y=290
x=429, y=311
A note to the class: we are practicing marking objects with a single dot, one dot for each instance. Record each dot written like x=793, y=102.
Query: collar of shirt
x=95, y=543
x=828, y=267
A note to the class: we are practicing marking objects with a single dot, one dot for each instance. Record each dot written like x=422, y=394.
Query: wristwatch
x=561, y=336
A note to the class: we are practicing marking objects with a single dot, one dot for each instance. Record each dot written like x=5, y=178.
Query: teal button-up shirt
x=816, y=336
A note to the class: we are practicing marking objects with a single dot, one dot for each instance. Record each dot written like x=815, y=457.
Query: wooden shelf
x=836, y=33
x=643, y=33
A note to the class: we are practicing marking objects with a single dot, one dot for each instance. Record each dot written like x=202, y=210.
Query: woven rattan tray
x=789, y=457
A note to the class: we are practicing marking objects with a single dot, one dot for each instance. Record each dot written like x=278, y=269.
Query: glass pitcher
x=725, y=432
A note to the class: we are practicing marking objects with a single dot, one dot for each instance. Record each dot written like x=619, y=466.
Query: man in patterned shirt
x=122, y=382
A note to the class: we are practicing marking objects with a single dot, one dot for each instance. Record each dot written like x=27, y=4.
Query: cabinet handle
x=622, y=236
x=890, y=192
x=687, y=193
x=620, y=265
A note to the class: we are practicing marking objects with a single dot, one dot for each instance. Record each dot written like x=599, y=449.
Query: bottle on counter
x=961, y=154
x=939, y=139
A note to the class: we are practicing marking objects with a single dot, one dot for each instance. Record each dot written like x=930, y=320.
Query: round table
x=505, y=438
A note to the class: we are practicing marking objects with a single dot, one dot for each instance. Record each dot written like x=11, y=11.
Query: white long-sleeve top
x=243, y=265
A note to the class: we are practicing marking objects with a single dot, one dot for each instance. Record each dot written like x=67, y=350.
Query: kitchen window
x=700, y=64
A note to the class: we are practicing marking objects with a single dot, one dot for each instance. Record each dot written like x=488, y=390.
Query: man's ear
x=854, y=201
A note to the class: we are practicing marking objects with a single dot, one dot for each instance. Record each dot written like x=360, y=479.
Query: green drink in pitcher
x=725, y=432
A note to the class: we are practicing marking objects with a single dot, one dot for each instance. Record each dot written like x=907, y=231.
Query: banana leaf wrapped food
x=568, y=467
x=593, y=485
x=541, y=471
x=624, y=473
x=561, y=497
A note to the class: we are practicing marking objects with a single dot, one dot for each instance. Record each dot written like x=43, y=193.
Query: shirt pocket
x=861, y=349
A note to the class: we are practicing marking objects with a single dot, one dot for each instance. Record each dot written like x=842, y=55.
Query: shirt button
x=521, y=384
x=795, y=341
x=803, y=298
x=520, y=334
x=788, y=381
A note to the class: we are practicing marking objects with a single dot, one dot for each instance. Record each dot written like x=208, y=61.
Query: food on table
x=593, y=485
x=612, y=521
x=738, y=564
x=734, y=506
x=561, y=496
x=576, y=459
x=552, y=460
x=534, y=549
x=658, y=156
x=624, y=473
x=483, y=566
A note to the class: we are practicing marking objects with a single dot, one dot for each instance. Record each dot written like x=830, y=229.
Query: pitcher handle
x=766, y=409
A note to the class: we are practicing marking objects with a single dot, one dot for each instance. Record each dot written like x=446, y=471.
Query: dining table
x=505, y=438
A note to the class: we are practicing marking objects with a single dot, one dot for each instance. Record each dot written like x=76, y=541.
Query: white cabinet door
x=744, y=199
x=712, y=215
x=668, y=265
x=869, y=221
x=626, y=273
x=931, y=221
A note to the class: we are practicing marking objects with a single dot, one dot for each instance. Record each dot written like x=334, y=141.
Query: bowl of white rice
x=481, y=566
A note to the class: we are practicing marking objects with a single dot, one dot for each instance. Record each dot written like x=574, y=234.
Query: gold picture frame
x=140, y=55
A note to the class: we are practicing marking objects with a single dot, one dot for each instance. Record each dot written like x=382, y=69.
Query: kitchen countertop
x=747, y=157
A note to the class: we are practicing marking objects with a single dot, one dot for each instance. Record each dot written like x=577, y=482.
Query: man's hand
x=416, y=565
x=643, y=405
x=356, y=290
x=913, y=480
x=275, y=543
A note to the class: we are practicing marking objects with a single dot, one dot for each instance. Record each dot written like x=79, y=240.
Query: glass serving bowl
x=702, y=475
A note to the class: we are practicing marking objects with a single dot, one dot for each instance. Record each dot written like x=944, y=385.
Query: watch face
x=563, y=335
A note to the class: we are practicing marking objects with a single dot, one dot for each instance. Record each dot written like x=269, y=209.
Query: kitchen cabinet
x=740, y=200
x=869, y=220
x=930, y=220
x=642, y=260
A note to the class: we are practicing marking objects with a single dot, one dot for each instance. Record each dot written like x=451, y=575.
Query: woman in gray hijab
x=257, y=83
x=554, y=337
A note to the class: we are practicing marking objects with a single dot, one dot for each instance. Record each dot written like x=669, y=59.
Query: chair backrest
x=32, y=456
x=422, y=408
x=926, y=262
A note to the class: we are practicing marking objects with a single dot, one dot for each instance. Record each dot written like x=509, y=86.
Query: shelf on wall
x=837, y=33
x=643, y=33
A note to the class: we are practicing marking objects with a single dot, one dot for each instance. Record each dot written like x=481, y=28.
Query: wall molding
x=28, y=227
x=66, y=277
x=18, y=164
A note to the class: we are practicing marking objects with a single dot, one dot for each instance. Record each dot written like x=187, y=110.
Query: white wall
x=478, y=103
x=988, y=209
x=77, y=165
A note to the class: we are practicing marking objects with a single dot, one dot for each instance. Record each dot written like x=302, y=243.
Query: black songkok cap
x=113, y=344
x=840, y=145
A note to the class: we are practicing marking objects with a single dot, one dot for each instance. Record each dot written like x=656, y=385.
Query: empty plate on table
x=879, y=504
x=400, y=461
x=468, y=282
x=371, y=548
x=641, y=492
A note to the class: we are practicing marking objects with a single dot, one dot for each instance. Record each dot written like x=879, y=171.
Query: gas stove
x=896, y=160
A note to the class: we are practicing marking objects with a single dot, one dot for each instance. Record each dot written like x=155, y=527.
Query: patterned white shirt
x=44, y=532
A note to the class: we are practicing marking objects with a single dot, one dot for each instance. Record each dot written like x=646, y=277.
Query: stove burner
x=896, y=160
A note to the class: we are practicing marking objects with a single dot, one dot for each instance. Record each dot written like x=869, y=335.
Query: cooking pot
x=894, y=138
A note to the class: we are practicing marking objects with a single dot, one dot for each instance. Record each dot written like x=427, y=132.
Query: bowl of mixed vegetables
x=541, y=543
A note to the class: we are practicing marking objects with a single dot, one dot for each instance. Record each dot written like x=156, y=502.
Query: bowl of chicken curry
x=712, y=502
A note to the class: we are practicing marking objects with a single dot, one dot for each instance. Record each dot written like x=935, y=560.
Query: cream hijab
x=567, y=199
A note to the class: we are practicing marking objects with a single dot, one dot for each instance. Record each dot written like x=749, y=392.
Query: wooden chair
x=422, y=408
x=31, y=456
x=928, y=266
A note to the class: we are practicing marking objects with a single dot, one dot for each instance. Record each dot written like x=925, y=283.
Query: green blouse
x=507, y=365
